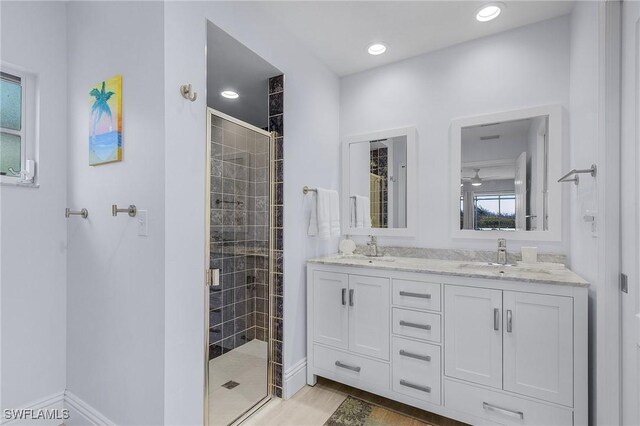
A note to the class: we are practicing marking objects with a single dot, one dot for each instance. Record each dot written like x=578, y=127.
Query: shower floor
x=246, y=365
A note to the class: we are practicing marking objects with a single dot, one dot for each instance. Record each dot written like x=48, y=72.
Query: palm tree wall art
x=105, y=139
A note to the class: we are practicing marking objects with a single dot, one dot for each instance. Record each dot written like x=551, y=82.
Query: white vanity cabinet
x=516, y=341
x=482, y=351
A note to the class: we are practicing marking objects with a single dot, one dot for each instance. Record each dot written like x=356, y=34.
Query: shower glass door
x=239, y=247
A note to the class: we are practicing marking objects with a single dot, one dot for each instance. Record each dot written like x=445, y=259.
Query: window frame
x=28, y=124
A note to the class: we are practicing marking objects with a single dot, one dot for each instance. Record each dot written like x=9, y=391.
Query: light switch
x=141, y=217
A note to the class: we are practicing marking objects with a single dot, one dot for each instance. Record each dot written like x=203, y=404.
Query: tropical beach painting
x=105, y=139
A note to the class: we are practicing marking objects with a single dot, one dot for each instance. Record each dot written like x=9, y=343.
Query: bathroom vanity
x=476, y=342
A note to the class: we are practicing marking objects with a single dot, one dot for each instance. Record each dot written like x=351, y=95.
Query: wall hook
x=188, y=93
x=131, y=210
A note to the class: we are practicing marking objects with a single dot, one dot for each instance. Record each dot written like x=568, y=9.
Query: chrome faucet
x=502, y=251
x=373, y=243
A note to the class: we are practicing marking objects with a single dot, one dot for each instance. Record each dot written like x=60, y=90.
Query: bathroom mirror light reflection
x=505, y=168
x=378, y=172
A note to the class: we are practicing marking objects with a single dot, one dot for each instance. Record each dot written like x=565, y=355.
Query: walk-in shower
x=239, y=234
x=240, y=229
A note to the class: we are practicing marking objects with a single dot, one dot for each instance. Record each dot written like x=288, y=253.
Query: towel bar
x=82, y=213
x=306, y=189
x=593, y=171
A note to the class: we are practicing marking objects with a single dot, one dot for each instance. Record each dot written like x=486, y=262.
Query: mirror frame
x=554, y=171
x=412, y=183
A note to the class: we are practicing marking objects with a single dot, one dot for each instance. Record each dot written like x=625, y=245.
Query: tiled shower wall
x=239, y=236
x=276, y=124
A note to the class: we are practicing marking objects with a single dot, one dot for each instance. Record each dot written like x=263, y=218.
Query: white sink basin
x=369, y=259
x=484, y=266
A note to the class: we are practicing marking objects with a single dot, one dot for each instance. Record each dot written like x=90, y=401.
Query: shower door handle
x=212, y=278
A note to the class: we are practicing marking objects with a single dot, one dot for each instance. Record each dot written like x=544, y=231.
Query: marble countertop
x=546, y=273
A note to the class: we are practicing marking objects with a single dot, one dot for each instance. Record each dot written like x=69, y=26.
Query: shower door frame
x=207, y=251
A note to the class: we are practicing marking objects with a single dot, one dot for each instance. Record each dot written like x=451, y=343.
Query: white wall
x=311, y=158
x=516, y=69
x=32, y=227
x=115, y=347
x=584, y=145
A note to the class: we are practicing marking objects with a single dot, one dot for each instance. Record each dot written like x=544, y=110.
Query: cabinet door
x=473, y=334
x=330, y=311
x=538, y=346
x=369, y=307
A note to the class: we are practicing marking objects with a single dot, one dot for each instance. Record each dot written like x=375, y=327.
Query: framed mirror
x=379, y=174
x=504, y=171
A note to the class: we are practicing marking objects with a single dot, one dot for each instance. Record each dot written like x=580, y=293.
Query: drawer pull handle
x=416, y=356
x=414, y=325
x=419, y=295
x=426, y=389
x=500, y=410
x=509, y=321
x=348, y=367
x=351, y=298
x=344, y=297
x=496, y=319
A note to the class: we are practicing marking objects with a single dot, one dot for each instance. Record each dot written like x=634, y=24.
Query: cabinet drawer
x=352, y=367
x=421, y=325
x=416, y=294
x=416, y=369
x=501, y=408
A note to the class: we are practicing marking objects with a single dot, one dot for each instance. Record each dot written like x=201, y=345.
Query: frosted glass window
x=10, y=152
x=10, y=104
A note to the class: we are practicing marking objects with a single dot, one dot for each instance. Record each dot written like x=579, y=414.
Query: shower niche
x=244, y=123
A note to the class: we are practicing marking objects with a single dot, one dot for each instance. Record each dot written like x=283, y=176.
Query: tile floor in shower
x=246, y=365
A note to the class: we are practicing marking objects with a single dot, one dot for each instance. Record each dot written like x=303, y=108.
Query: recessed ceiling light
x=377, y=49
x=229, y=94
x=489, y=11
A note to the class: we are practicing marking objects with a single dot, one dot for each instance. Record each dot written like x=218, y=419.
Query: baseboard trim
x=295, y=378
x=48, y=402
x=89, y=413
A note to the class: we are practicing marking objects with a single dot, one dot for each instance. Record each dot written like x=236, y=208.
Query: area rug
x=356, y=412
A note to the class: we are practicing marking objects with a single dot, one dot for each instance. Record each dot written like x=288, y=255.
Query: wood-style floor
x=312, y=406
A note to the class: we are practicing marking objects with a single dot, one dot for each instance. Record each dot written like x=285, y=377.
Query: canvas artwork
x=105, y=139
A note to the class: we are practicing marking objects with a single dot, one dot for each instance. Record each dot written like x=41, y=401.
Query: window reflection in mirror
x=503, y=182
x=378, y=183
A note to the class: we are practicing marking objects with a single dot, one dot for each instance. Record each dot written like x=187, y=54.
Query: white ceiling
x=338, y=32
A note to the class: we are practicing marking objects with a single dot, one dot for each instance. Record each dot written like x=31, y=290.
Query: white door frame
x=630, y=188
x=606, y=385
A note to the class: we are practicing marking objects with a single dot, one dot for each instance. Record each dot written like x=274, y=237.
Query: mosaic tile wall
x=379, y=167
x=276, y=124
x=239, y=236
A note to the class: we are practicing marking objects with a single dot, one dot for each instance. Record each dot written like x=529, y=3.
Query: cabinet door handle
x=415, y=325
x=509, y=321
x=496, y=319
x=414, y=386
x=344, y=297
x=415, y=356
x=419, y=295
x=348, y=367
x=351, y=298
x=500, y=410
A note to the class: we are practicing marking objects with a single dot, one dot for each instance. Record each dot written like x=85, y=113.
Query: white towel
x=363, y=212
x=313, y=220
x=325, y=214
x=335, y=213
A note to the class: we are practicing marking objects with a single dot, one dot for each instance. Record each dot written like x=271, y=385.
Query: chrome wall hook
x=131, y=210
x=82, y=213
x=187, y=92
